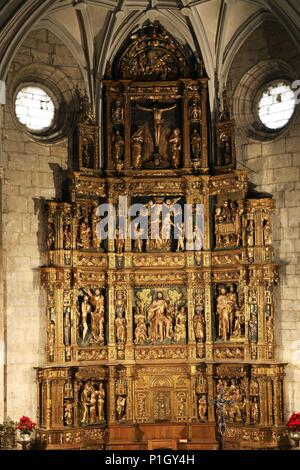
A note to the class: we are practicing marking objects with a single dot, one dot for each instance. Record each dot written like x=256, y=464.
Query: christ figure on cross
x=157, y=120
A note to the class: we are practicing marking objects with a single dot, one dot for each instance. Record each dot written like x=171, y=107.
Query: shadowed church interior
x=149, y=195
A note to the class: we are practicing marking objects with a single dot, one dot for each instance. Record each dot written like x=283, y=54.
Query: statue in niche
x=137, y=140
x=250, y=233
x=223, y=312
x=239, y=323
x=174, y=146
x=51, y=236
x=120, y=407
x=118, y=113
x=267, y=232
x=138, y=239
x=199, y=324
x=86, y=310
x=254, y=412
x=196, y=144
x=180, y=326
x=98, y=316
x=93, y=406
x=157, y=121
x=225, y=149
x=195, y=112
x=202, y=407
x=68, y=413
x=181, y=238
x=117, y=146
x=140, y=330
x=85, y=401
x=119, y=241
x=67, y=237
x=120, y=321
x=156, y=315
x=101, y=402
x=51, y=339
x=67, y=326
x=84, y=235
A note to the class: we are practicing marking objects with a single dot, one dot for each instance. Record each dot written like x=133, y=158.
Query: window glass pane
x=34, y=108
x=276, y=105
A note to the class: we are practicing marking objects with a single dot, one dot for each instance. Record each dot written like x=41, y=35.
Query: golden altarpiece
x=143, y=335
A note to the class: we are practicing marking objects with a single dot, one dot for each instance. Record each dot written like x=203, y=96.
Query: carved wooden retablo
x=144, y=330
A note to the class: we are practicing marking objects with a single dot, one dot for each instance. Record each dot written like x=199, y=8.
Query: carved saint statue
x=67, y=326
x=120, y=328
x=120, y=407
x=117, y=146
x=181, y=237
x=51, y=236
x=199, y=325
x=137, y=140
x=118, y=113
x=180, y=326
x=86, y=309
x=51, y=339
x=267, y=232
x=84, y=235
x=202, y=407
x=85, y=401
x=140, y=330
x=223, y=312
x=250, y=232
x=138, y=238
x=174, y=148
x=68, y=413
x=196, y=144
x=101, y=402
x=67, y=237
x=156, y=315
x=157, y=120
x=254, y=412
x=195, y=112
x=98, y=316
x=119, y=241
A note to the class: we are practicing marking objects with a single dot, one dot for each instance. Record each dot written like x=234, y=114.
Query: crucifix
x=221, y=403
x=157, y=121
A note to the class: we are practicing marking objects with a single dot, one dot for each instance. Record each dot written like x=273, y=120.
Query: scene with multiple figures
x=158, y=272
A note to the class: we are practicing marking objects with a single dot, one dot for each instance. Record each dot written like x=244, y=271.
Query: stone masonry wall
x=275, y=169
x=30, y=177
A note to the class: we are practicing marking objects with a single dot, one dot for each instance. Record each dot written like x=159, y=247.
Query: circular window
x=34, y=108
x=276, y=105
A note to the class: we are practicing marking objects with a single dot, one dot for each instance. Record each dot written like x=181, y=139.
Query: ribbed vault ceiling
x=94, y=29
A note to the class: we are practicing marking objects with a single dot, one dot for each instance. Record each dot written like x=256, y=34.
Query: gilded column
x=127, y=130
x=186, y=126
x=204, y=161
x=210, y=392
x=111, y=405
